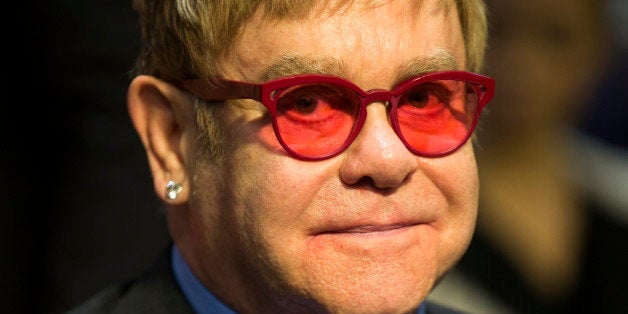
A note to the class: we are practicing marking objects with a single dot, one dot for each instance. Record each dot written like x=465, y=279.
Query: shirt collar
x=201, y=300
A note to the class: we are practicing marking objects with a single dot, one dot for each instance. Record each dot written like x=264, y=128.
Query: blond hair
x=183, y=38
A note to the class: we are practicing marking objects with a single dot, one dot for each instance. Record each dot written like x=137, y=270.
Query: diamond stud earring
x=172, y=190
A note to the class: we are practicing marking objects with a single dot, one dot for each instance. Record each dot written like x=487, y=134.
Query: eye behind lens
x=436, y=117
x=315, y=120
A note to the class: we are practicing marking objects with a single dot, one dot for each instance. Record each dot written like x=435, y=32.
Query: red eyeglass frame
x=223, y=89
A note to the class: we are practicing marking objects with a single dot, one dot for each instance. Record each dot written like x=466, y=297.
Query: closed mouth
x=370, y=228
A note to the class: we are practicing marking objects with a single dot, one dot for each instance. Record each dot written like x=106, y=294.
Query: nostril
x=365, y=182
x=369, y=184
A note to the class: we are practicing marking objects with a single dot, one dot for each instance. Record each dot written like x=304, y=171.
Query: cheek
x=273, y=192
x=271, y=206
x=455, y=239
x=270, y=191
x=266, y=136
x=456, y=176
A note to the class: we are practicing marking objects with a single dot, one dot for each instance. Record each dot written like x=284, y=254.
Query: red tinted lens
x=315, y=120
x=436, y=117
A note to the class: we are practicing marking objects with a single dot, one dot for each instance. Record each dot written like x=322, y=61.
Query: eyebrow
x=439, y=61
x=288, y=65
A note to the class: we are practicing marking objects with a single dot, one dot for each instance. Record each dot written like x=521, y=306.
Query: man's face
x=369, y=230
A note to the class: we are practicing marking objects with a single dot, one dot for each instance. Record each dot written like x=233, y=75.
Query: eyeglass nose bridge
x=388, y=98
x=369, y=97
x=378, y=95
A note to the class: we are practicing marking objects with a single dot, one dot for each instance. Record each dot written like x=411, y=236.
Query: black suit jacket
x=157, y=292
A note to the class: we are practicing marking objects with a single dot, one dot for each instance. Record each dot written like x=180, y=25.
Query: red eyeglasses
x=316, y=117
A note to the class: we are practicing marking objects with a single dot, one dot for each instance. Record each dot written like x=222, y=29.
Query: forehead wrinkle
x=288, y=65
x=440, y=61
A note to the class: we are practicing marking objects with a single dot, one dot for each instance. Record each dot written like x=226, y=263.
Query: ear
x=163, y=116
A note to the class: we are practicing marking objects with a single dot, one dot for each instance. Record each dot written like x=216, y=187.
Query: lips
x=371, y=228
x=371, y=214
x=375, y=241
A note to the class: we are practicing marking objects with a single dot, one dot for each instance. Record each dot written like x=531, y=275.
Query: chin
x=369, y=279
x=374, y=302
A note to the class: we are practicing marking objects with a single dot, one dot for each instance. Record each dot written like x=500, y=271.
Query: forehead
x=357, y=41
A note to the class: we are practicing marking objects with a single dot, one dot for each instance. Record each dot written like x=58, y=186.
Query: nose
x=377, y=155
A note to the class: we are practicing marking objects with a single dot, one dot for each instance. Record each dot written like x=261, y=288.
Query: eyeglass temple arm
x=221, y=89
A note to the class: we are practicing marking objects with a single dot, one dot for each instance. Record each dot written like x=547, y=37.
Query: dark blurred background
x=78, y=208
x=79, y=212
